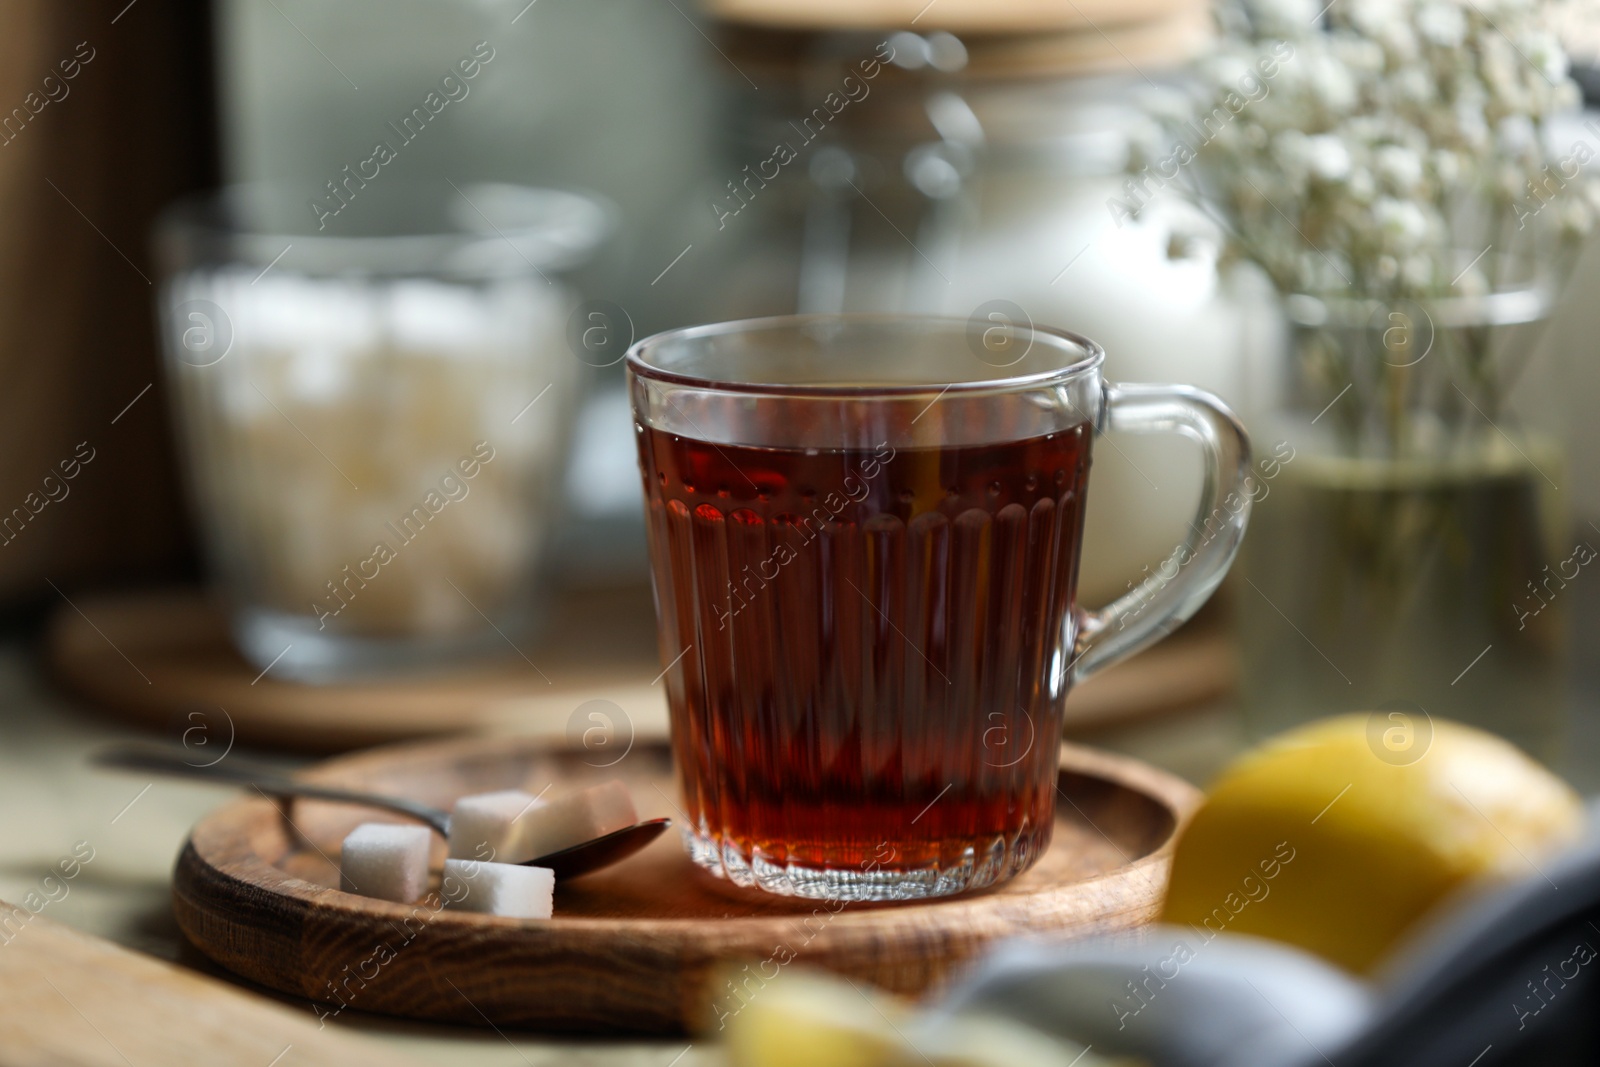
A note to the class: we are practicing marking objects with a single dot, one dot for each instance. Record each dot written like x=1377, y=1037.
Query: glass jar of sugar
x=372, y=386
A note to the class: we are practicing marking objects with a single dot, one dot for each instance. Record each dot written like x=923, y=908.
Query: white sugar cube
x=571, y=820
x=492, y=826
x=499, y=888
x=385, y=861
x=512, y=826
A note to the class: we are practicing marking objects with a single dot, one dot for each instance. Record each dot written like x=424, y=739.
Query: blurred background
x=314, y=423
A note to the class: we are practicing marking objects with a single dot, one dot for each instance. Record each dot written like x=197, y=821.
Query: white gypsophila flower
x=1330, y=83
x=1226, y=70
x=1398, y=130
x=1443, y=25
x=1413, y=85
x=1362, y=56
x=1500, y=66
x=1327, y=157
x=1399, y=41
x=1282, y=18
x=1371, y=17
x=1399, y=167
x=1544, y=52
x=1515, y=136
x=1401, y=224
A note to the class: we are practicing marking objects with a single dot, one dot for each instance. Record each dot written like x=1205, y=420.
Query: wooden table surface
x=50, y=800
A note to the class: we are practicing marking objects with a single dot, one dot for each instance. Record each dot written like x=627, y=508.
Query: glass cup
x=864, y=536
x=363, y=405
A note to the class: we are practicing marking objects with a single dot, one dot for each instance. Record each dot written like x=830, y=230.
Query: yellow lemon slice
x=1337, y=836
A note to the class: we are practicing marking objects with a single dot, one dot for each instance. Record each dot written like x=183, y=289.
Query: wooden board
x=152, y=657
x=75, y=999
x=156, y=657
x=637, y=948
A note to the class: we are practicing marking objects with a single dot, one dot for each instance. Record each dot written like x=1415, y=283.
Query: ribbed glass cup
x=865, y=550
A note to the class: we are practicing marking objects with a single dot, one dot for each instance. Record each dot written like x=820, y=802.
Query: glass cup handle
x=1186, y=578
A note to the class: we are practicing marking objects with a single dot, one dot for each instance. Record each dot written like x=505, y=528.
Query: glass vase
x=1410, y=551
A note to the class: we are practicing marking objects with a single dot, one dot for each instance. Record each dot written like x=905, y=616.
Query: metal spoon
x=568, y=863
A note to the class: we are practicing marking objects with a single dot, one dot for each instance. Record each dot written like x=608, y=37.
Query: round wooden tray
x=164, y=659
x=639, y=947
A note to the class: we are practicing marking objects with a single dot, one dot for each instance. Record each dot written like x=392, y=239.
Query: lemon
x=802, y=1018
x=807, y=1018
x=1339, y=835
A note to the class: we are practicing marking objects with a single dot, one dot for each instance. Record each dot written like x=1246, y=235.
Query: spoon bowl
x=601, y=851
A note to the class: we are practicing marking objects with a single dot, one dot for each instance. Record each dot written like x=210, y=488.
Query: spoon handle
x=266, y=779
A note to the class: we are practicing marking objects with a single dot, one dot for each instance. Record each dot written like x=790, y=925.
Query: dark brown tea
x=869, y=654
